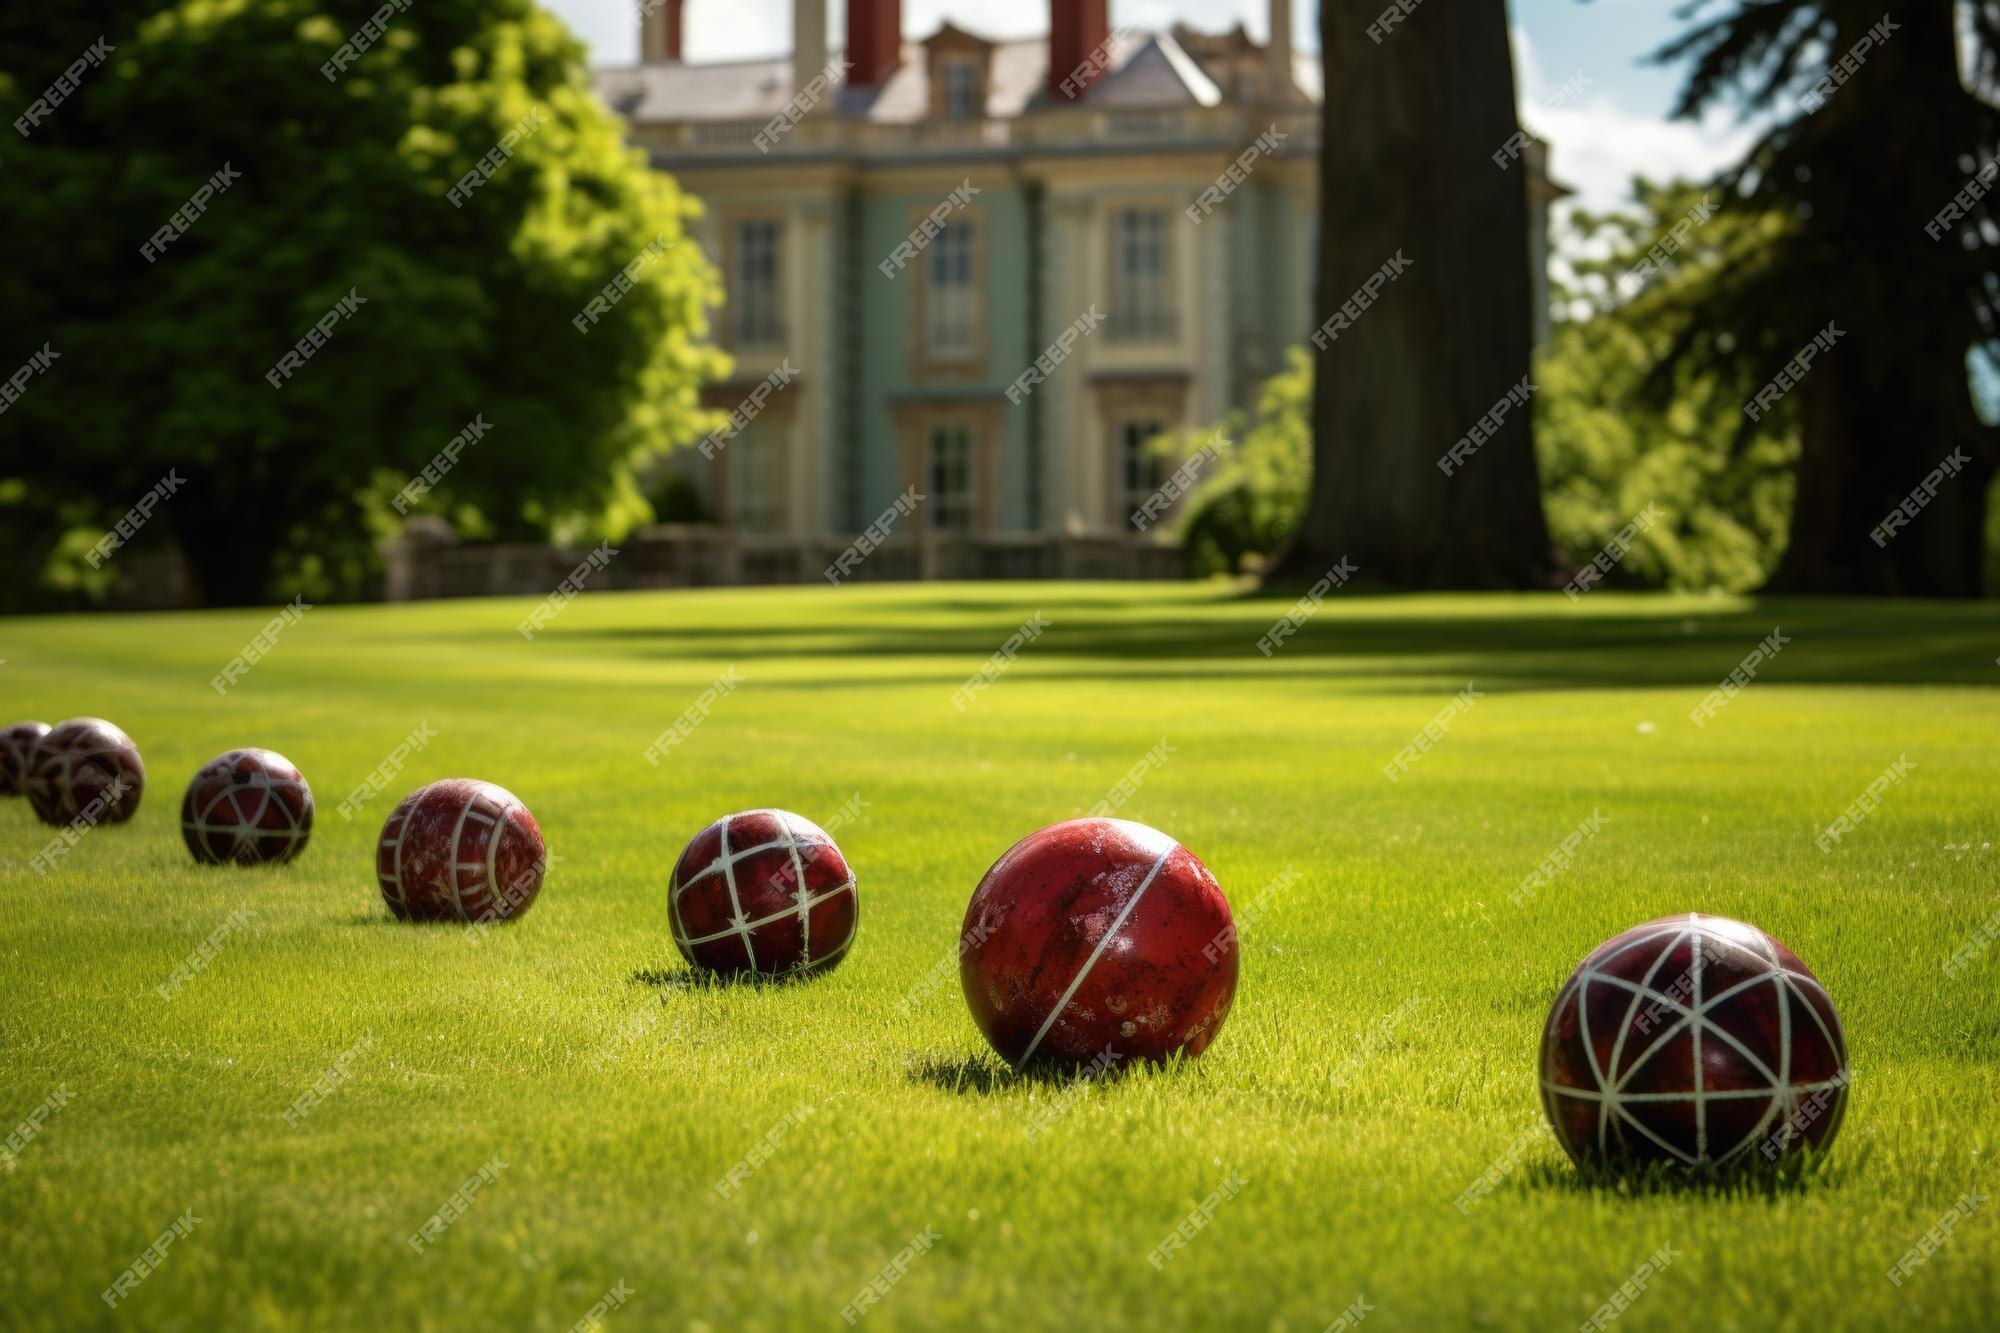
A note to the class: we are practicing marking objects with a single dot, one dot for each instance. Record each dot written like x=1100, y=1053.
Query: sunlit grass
x=573, y=1047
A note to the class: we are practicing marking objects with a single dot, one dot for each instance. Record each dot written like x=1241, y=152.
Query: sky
x=1581, y=67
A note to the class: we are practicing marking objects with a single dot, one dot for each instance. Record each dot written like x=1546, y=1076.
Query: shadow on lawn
x=692, y=979
x=1797, y=1173
x=984, y=1075
x=1529, y=644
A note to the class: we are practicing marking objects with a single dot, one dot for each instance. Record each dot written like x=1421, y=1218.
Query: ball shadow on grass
x=388, y=919
x=695, y=979
x=1795, y=1173
x=984, y=1074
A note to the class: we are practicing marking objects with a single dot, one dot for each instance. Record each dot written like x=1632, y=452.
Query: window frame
x=746, y=330
x=927, y=360
x=964, y=503
x=1143, y=309
x=950, y=69
x=1126, y=449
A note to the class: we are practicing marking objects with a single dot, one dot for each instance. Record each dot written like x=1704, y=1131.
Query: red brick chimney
x=1078, y=31
x=660, y=30
x=874, y=41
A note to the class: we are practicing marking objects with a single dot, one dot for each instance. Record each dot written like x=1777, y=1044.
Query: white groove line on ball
x=674, y=913
x=64, y=777
x=493, y=859
x=264, y=786
x=735, y=904
x=1644, y=989
x=1779, y=1092
x=721, y=863
x=253, y=833
x=1581, y=984
x=1694, y=1035
x=854, y=922
x=202, y=826
x=1103, y=943
x=1717, y=1095
x=1697, y=1018
x=402, y=836
x=1606, y=1108
x=767, y=920
x=804, y=894
x=457, y=829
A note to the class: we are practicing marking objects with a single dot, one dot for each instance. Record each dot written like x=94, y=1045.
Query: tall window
x=1141, y=309
x=1140, y=470
x=754, y=292
x=756, y=478
x=948, y=469
x=961, y=90
x=950, y=302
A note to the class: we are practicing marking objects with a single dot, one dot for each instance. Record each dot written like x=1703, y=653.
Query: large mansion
x=904, y=238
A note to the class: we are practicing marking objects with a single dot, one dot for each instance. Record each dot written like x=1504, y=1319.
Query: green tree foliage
x=1880, y=126
x=1248, y=503
x=1614, y=431
x=341, y=187
x=1618, y=429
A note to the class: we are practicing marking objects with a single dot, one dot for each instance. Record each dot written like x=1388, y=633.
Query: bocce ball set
x=1693, y=1040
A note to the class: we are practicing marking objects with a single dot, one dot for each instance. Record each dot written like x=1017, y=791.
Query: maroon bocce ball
x=765, y=891
x=460, y=850
x=17, y=744
x=1098, y=939
x=85, y=766
x=250, y=807
x=1695, y=1040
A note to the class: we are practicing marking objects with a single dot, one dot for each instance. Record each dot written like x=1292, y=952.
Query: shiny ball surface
x=1097, y=941
x=17, y=744
x=247, y=807
x=1693, y=1040
x=85, y=768
x=460, y=850
x=763, y=892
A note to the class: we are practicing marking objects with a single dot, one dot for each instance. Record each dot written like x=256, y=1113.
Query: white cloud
x=1597, y=146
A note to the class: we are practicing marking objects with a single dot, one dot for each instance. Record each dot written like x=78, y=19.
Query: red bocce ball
x=87, y=767
x=1695, y=1040
x=460, y=850
x=17, y=744
x=765, y=891
x=1098, y=940
x=250, y=807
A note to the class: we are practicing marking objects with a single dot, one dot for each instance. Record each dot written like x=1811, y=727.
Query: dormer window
x=958, y=66
x=962, y=93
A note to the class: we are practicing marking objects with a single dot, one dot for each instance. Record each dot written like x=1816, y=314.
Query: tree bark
x=1410, y=128
x=1890, y=403
x=1893, y=479
x=230, y=555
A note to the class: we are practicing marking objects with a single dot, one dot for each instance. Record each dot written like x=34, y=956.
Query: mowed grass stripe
x=514, y=1045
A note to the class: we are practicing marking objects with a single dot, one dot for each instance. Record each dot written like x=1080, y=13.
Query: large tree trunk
x=230, y=554
x=1893, y=477
x=1410, y=128
x=1882, y=410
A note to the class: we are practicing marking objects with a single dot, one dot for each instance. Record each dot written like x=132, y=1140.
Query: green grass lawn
x=573, y=1047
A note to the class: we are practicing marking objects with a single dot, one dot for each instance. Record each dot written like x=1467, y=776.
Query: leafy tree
x=1613, y=435
x=1875, y=134
x=1618, y=431
x=1412, y=117
x=1250, y=501
x=334, y=183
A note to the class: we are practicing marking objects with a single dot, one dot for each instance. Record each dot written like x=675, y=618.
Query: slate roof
x=1148, y=69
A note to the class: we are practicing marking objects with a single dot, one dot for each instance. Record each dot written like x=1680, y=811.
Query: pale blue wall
x=883, y=358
